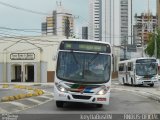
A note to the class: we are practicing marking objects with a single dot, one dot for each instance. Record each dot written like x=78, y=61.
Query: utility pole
x=67, y=28
x=155, y=43
x=142, y=42
x=125, y=47
x=131, y=23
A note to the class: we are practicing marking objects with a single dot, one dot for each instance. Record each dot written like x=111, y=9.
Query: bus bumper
x=81, y=97
x=146, y=82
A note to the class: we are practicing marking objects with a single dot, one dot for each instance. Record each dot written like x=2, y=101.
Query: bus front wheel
x=99, y=105
x=151, y=85
x=59, y=104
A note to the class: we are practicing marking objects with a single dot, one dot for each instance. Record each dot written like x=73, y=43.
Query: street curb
x=31, y=92
x=153, y=96
x=146, y=94
x=45, y=92
x=27, y=84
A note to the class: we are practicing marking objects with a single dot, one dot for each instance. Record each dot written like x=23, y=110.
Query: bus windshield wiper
x=72, y=52
x=94, y=57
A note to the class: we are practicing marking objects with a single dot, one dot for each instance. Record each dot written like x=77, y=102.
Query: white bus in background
x=83, y=72
x=138, y=71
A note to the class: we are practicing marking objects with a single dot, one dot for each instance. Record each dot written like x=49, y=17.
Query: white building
x=94, y=20
x=145, y=23
x=125, y=21
x=60, y=23
x=28, y=59
x=110, y=20
x=126, y=36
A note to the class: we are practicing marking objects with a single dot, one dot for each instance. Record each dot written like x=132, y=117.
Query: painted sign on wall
x=22, y=56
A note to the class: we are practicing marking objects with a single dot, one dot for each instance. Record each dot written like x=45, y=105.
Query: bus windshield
x=83, y=67
x=143, y=69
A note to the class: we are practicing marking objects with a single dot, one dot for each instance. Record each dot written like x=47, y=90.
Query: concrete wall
x=44, y=71
x=1, y=72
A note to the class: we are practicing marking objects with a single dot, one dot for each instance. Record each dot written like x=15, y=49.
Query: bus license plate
x=101, y=99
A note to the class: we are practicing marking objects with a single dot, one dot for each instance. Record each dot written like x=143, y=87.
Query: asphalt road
x=120, y=102
x=10, y=92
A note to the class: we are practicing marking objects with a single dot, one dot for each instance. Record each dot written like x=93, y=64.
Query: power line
x=32, y=30
x=23, y=9
x=37, y=41
x=33, y=39
x=59, y=31
x=27, y=49
x=22, y=30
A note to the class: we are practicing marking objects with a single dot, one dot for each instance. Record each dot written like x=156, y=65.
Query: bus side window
x=121, y=67
x=130, y=66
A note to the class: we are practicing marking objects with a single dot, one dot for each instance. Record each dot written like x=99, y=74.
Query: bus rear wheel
x=132, y=82
x=123, y=82
x=59, y=104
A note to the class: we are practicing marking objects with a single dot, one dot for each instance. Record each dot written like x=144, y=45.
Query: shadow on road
x=81, y=106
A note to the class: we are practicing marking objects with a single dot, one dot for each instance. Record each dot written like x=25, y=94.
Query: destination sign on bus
x=145, y=60
x=85, y=46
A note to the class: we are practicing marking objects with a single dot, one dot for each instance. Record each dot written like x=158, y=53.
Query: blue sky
x=142, y=5
x=19, y=19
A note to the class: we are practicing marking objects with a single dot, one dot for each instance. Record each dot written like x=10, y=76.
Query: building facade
x=60, y=23
x=28, y=59
x=110, y=20
x=84, y=32
x=125, y=21
x=95, y=20
x=145, y=24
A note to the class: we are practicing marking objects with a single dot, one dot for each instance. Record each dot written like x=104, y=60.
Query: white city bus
x=83, y=72
x=138, y=71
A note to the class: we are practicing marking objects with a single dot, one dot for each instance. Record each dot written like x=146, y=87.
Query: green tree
x=150, y=50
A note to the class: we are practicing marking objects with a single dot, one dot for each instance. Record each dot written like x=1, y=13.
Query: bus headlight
x=156, y=77
x=61, y=88
x=103, y=91
x=138, y=78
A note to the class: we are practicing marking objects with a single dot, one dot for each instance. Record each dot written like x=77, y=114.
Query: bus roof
x=85, y=45
x=86, y=40
x=134, y=59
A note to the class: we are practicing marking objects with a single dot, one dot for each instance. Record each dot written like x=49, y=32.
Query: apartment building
x=126, y=21
x=145, y=24
x=60, y=23
x=158, y=12
x=95, y=20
